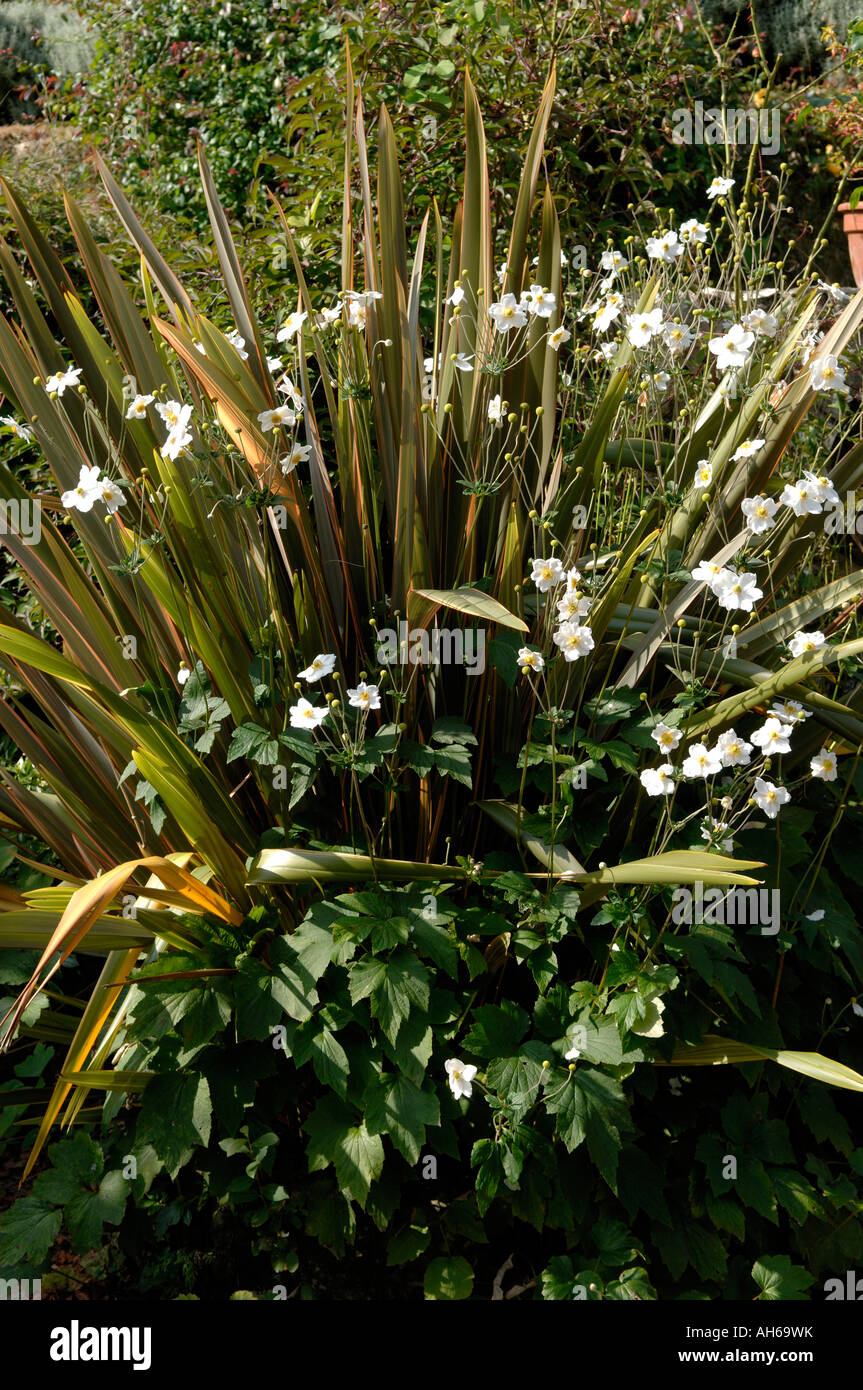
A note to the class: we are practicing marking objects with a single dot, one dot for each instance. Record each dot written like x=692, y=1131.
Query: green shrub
x=392, y=993
x=263, y=88
x=37, y=39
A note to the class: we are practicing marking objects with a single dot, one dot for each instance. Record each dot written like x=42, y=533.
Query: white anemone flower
x=657, y=781
x=574, y=640
x=769, y=798
x=804, y=642
x=323, y=665
x=364, y=696
x=773, y=737
x=823, y=766
x=291, y=326
x=732, y=349
x=305, y=715
x=547, y=574
x=701, y=761
x=459, y=1077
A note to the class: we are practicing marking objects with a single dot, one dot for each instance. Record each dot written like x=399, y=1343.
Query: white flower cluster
x=806, y=497
x=733, y=588
x=536, y=302
x=573, y=637
x=305, y=715
x=92, y=488
x=732, y=751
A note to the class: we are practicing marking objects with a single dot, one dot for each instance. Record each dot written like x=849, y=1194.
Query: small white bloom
x=538, y=300
x=718, y=187
x=759, y=322
x=364, y=696
x=759, y=512
x=307, y=716
x=496, y=411
x=737, y=589
x=547, y=573
x=572, y=1055
x=835, y=292
x=821, y=486
x=733, y=750
x=608, y=350
x=803, y=642
x=810, y=344
x=456, y=297
x=299, y=453
x=574, y=640
x=823, y=765
x=613, y=260
x=58, y=383
x=748, y=449
x=693, y=231
x=769, y=798
x=665, y=247
x=183, y=674
x=272, y=419
x=701, y=761
x=732, y=349
x=712, y=830
x=529, y=660
x=112, y=495
x=789, y=711
x=707, y=572
x=171, y=412
x=642, y=327
x=703, y=474
x=507, y=314
x=20, y=430
x=677, y=336
x=356, y=313
x=802, y=498
x=323, y=665
x=607, y=312
x=773, y=737
x=461, y=362
x=138, y=407
x=667, y=738
x=572, y=606
x=291, y=326
x=287, y=388
x=460, y=1076
x=364, y=297
x=558, y=336
x=238, y=342
x=274, y=364
x=84, y=494
x=179, y=435
x=657, y=781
